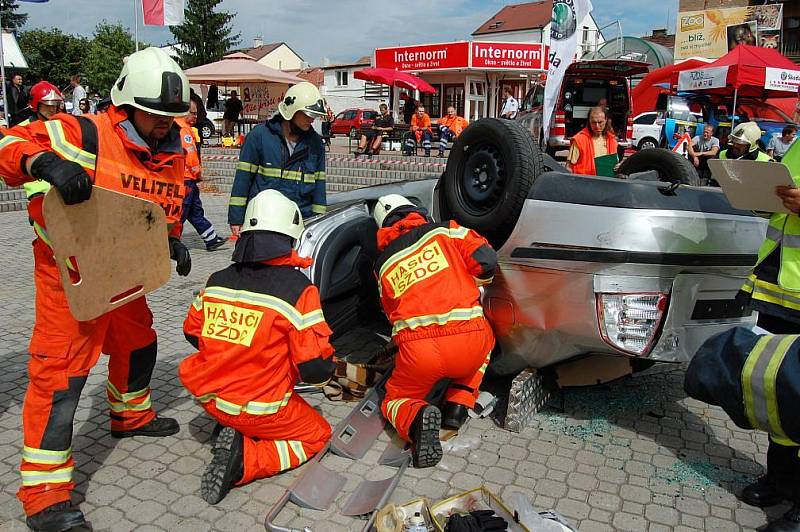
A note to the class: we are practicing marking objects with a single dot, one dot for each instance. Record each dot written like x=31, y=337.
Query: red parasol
x=395, y=78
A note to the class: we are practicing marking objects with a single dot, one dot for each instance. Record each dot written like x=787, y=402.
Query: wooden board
x=119, y=244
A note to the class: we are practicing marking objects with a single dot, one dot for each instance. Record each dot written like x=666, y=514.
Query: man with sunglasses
x=284, y=154
x=135, y=149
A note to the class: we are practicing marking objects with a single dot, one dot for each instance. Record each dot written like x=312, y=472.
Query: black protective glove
x=69, y=178
x=487, y=520
x=462, y=523
x=180, y=254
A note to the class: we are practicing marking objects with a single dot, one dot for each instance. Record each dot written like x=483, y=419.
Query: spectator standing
x=701, y=149
x=796, y=115
x=17, y=101
x=450, y=127
x=85, y=107
x=409, y=107
x=595, y=140
x=778, y=146
x=510, y=105
x=326, y=125
x=371, y=139
x=230, y=118
x=201, y=109
x=78, y=94
x=213, y=97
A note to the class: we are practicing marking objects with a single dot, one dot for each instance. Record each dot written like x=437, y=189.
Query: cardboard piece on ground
x=119, y=244
x=592, y=370
x=750, y=185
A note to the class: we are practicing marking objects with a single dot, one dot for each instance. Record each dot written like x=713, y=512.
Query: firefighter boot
x=762, y=493
x=158, y=427
x=453, y=415
x=226, y=468
x=56, y=518
x=790, y=522
x=426, y=447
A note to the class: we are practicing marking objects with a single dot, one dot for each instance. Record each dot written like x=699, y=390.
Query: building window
x=341, y=78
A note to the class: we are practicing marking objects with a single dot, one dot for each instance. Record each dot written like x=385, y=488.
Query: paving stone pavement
x=633, y=456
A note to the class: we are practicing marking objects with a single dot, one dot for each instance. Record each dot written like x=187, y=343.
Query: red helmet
x=44, y=92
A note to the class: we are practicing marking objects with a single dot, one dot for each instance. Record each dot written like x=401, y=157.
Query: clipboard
x=750, y=185
x=604, y=165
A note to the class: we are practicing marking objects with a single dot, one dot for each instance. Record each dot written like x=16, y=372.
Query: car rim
x=647, y=145
x=206, y=132
x=482, y=181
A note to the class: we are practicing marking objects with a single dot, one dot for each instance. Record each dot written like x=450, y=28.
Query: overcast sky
x=341, y=30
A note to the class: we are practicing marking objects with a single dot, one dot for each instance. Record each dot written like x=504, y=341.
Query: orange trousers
x=421, y=363
x=276, y=442
x=63, y=351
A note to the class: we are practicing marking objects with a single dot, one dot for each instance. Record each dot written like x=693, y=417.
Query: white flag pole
x=135, y=26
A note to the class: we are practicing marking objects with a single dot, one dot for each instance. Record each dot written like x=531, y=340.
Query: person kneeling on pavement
x=259, y=328
x=756, y=380
x=429, y=274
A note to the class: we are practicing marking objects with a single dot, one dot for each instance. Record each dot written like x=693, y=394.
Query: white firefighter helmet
x=747, y=133
x=152, y=81
x=387, y=204
x=272, y=211
x=303, y=97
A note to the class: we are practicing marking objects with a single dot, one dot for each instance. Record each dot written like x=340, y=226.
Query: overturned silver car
x=601, y=272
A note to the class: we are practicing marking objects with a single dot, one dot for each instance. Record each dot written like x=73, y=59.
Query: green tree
x=10, y=18
x=103, y=60
x=205, y=35
x=52, y=55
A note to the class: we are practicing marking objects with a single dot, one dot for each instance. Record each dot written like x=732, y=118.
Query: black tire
x=648, y=143
x=206, y=129
x=670, y=166
x=489, y=173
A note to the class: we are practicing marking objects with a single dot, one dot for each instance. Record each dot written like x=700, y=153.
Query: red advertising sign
x=509, y=56
x=442, y=56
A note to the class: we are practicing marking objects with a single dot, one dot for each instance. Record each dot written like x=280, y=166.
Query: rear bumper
x=543, y=316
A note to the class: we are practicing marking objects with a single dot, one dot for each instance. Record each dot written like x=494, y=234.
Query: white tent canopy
x=238, y=68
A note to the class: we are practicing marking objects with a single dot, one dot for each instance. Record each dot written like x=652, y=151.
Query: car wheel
x=206, y=130
x=489, y=173
x=670, y=166
x=648, y=144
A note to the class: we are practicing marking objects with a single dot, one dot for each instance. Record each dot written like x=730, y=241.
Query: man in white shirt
x=78, y=93
x=778, y=146
x=510, y=105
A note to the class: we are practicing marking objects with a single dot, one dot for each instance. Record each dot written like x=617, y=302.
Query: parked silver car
x=644, y=270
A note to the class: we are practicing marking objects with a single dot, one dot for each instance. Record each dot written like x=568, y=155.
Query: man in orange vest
x=595, y=140
x=192, y=206
x=420, y=131
x=450, y=127
x=140, y=154
x=258, y=326
x=428, y=275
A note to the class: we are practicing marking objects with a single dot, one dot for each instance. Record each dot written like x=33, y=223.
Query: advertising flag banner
x=782, y=79
x=567, y=16
x=702, y=78
x=163, y=12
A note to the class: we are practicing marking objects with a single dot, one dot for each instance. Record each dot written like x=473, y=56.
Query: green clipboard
x=605, y=164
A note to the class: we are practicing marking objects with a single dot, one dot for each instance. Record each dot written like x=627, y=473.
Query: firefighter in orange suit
x=139, y=154
x=429, y=274
x=258, y=327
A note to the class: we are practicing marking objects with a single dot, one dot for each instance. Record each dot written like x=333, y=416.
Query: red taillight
x=630, y=322
x=629, y=129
